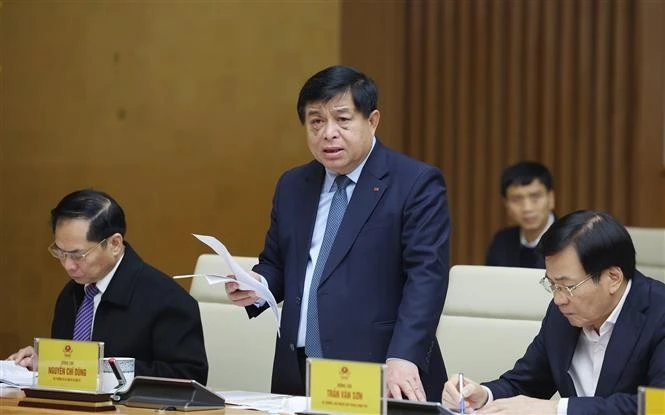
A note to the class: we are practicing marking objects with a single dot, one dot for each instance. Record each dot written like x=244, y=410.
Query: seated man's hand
x=23, y=357
x=475, y=396
x=520, y=405
x=403, y=378
x=240, y=297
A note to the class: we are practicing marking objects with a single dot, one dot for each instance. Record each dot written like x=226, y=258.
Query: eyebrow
x=339, y=110
x=342, y=109
x=313, y=112
x=562, y=278
x=75, y=251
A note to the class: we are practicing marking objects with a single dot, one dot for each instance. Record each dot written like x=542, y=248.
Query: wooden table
x=10, y=398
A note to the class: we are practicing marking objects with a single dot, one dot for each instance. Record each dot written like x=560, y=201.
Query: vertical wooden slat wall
x=492, y=82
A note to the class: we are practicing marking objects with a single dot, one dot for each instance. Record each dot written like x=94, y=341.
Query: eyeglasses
x=74, y=256
x=553, y=288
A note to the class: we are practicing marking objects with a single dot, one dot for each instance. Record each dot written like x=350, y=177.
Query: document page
x=243, y=278
x=14, y=375
x=267, y=402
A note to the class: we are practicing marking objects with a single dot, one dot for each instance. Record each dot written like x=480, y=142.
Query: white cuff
x=261, y=301
x=490, y=396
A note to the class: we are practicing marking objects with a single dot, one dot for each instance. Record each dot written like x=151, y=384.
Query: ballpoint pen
x=461, y=395
x=122, y=381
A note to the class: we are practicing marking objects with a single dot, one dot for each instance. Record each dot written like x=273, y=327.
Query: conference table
x=10, y=397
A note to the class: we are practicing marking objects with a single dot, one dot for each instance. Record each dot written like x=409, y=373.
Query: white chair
x=650, y=250
x=240, y=351
x=490, y=317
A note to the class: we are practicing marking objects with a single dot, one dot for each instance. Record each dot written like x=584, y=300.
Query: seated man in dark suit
x=135, y=309
x=528, y=194
x=603, y=334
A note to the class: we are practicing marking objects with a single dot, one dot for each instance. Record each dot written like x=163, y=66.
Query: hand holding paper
x=24, y=357
x=14, y=375
x=245, y=281
x=215, y=279
x=243, y=297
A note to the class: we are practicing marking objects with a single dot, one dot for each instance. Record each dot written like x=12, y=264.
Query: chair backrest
x=240, y=351
x=215, y=264
x=490, y=317
x=649, y=250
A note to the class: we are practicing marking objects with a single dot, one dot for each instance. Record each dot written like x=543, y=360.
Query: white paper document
x=14, y=375
x=245, y=281
x=266, y=402
x=212, y=279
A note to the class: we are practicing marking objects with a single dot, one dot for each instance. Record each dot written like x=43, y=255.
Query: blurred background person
x=528, y=194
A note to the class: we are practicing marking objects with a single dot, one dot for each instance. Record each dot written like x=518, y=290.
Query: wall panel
x=577, y=85
x=184, y=111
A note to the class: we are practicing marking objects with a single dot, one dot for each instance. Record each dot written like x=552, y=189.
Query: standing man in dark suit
x=528, y=194
x=374, y=290
x=603, y=334
x=136, y=310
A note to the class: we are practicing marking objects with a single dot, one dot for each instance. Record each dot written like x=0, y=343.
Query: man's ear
x=551, y=200
x=116, y=241
x=373, y=119
x=616, y=278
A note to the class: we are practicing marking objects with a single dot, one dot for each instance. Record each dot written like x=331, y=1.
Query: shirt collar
x=612, y=319
x=354, y=175
x=103, y=284
x=532, y=244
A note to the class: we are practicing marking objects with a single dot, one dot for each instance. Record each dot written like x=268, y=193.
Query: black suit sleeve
x=177, y=342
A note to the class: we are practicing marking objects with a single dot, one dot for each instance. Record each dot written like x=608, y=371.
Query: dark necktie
x=85, y=313
x=335, y=215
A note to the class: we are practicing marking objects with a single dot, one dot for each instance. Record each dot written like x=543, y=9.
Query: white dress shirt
x=588, y=357
x=534, y=243
x=102, y=285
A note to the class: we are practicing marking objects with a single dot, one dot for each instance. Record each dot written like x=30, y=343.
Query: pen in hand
x=461, y=395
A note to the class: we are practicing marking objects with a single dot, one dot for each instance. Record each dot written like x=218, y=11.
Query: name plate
x=68, y=364
x=651, y=401
x=340, y=386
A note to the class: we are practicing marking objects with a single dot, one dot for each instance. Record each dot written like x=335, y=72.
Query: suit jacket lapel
x=624, y=336
x=305, y=217
x=569, y=338
x=371, y=186
x=120, y=291
x=514, y=247
x=121, y=287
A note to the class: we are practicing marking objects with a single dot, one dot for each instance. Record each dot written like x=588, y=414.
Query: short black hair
x=335, y=80
x=105, y=214
x=523, y=173
x=598, y=238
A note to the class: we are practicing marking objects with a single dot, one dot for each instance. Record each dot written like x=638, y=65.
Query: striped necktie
x=335, y=216
x=85, y=314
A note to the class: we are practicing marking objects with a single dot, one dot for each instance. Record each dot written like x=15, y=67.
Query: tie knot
x=91, y=290
x=342, y=181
